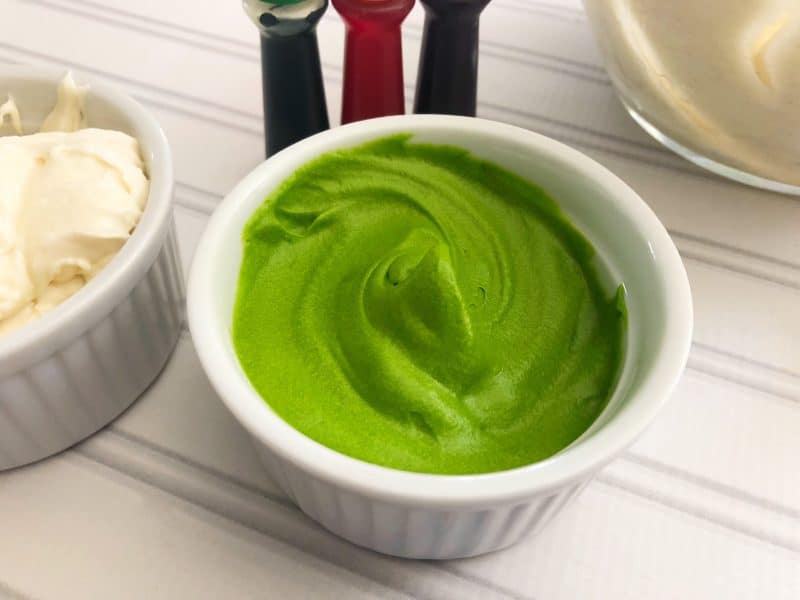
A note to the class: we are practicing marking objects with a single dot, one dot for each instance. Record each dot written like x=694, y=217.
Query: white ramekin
x=69, y=373
x=441, y=516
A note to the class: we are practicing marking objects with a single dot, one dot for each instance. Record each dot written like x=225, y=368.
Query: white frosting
x=720, y=77
x=69, y=200
x=69, y=113
x=9, y=112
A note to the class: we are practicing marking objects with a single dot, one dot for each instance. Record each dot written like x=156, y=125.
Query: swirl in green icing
x=419, y=308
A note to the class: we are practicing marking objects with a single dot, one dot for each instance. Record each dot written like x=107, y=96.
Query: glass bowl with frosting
x=716, y=81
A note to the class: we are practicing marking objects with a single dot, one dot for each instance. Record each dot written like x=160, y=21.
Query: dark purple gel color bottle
x=447, y=81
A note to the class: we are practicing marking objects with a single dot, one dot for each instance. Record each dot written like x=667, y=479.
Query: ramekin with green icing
x=422, y=358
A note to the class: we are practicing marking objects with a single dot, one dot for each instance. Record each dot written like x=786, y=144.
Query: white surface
x=171, y=501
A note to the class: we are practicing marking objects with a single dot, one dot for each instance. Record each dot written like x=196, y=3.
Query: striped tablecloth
x=169, y=501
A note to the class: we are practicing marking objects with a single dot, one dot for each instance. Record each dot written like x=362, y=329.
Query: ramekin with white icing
x=91, y=290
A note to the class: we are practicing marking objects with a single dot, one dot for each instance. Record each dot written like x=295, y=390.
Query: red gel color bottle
x=373, y=69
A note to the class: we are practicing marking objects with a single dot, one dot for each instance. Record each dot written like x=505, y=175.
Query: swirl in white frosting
x=721, y=78
x=69, y=199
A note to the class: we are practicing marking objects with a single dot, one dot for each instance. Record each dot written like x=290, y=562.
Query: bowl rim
x=422, y=489
x=89, y=305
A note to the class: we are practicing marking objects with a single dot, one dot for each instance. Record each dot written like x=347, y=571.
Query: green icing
x=416, y=307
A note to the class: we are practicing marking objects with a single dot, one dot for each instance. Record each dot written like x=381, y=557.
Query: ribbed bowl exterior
x=85, y=384
x=414, y=532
